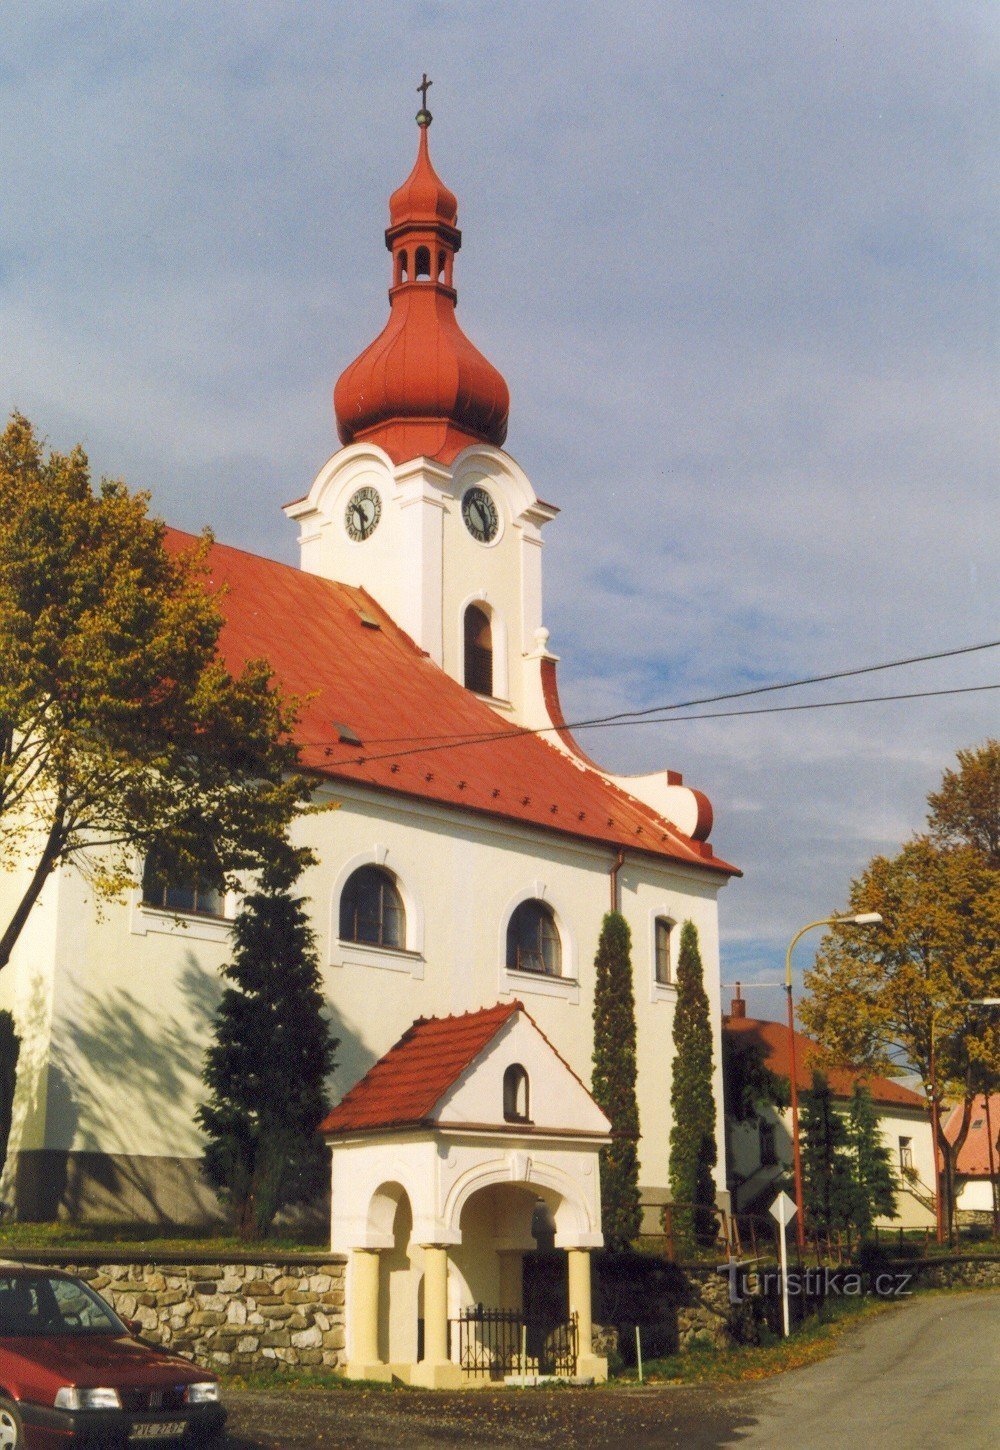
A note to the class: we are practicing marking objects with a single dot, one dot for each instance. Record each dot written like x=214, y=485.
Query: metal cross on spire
x=423, y=88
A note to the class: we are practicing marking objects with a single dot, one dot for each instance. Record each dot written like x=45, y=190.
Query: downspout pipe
x=619, y=862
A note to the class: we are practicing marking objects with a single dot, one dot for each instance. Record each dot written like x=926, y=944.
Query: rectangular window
x=906, y=1154
x=663, y=969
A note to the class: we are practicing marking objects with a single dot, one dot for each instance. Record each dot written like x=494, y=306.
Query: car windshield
x=36, y=1304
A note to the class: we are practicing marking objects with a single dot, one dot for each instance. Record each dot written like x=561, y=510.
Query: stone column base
x=591, y=1366
x=442, y=1375
x=378, y=1371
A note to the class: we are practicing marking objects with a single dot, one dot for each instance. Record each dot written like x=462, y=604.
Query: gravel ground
x=591, y=1419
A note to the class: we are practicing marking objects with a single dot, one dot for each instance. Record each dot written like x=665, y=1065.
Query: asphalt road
x=923, y=1377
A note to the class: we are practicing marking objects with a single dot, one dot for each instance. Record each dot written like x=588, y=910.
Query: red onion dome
x=422, y=388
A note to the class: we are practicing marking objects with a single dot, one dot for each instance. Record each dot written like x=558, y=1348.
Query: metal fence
x=493, y=1343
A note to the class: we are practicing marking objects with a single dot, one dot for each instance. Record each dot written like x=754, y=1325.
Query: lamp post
x=938, y=1201
x=863, y=918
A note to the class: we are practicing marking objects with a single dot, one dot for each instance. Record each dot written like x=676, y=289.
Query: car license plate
x=158, y=1430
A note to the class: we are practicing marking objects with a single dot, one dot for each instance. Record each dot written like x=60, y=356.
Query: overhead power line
x=595, y=721
x=494, y=738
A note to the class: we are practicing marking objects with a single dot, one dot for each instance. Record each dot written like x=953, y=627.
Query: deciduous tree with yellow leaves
x=120, y=727
x=874, y=997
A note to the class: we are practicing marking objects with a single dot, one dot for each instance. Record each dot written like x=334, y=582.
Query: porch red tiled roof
x=330, y=645
x=407, y=1083
x=773, y=1037
x=974, y=1154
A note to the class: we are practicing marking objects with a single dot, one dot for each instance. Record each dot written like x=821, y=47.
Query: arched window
x=663, y=966
x=422, y=262
x=533, y=940
x=167, y=889
x=403, y=266
x=478, y=651
x=515, y=1094
x=371, y=909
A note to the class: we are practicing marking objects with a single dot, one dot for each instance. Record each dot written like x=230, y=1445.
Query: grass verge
x=92, y=1237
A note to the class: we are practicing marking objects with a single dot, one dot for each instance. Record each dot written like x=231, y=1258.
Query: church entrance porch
x=438, y=1213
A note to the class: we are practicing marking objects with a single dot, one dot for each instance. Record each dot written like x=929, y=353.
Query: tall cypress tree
x=873, y=1179
x=265, y=1071
x=613, y=1081
x=693, y=1148
x=827, y=1190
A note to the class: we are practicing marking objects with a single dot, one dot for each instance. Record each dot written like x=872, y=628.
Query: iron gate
x=498, y=1342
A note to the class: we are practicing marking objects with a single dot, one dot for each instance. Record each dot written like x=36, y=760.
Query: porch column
x=364, y=1362
x=435, y=1370
x=588, y=1364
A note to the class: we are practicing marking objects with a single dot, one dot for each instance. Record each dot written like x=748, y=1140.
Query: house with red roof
x=459, y=885
x=977, y=1171
x=759, y=1148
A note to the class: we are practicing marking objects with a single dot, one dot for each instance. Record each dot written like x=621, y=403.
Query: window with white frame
x=533, y=943
x=906, y=1154
x=371, y=909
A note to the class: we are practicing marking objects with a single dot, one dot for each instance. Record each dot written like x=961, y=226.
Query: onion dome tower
x=422, y=388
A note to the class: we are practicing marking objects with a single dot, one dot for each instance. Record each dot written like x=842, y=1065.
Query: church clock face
x=364, y=509
x=480, y=515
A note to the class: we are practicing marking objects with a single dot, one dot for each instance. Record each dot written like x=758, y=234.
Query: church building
x=460, y=883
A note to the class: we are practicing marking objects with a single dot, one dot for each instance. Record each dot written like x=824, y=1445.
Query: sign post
x=783, y=1209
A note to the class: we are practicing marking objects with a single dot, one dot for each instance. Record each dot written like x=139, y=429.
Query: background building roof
x=974, y=1154
x=773, y=1039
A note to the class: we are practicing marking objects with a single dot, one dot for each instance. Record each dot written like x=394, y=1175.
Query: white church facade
x=471, y=849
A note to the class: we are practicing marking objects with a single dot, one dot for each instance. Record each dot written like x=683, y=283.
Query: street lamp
x=861, y=918
x=938, y=1204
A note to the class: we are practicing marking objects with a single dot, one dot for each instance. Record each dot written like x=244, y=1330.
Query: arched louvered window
x=422, y=262
x=371, y=909
x=478, y=651
x=533, y=943
x=167, y=889
x=515, y=1094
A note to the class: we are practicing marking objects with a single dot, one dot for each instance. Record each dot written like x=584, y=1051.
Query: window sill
x=663, y=992
x=193, y=925
x=386, y=959
x=497, y=702
x=538, y=984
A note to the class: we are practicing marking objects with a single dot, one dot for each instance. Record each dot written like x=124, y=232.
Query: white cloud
x=735, y=263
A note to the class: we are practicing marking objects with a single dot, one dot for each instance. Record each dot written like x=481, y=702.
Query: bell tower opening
x=478, y=651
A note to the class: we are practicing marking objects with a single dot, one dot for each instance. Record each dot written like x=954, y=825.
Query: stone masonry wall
x=231, y=1316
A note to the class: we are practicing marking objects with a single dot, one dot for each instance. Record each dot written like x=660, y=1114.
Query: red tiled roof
x=974, y=1154
x=773, y=1037
x=405, y=1085
x=371, y=677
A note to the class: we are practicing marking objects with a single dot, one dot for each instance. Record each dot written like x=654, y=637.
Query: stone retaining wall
x=972, y=1272
x=231, y=1316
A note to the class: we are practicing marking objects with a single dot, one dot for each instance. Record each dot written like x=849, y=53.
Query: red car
x=71, y=1373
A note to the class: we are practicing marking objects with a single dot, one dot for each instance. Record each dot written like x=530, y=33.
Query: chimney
x=737, y=1007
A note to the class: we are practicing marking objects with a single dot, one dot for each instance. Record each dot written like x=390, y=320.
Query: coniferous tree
x=693, y=1149
x=613, y=1081
x=265, y=1071
x=873, y=1180
x=827, y=1190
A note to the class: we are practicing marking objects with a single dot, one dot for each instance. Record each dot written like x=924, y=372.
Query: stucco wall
x=133, y=992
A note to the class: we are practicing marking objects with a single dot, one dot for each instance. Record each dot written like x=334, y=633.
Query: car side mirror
x=134, y=1327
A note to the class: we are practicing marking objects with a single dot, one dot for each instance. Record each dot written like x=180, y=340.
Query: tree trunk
x=949, y=1160
x=51, y=852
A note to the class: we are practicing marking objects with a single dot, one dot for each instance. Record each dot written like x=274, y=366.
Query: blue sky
x=735, y=261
